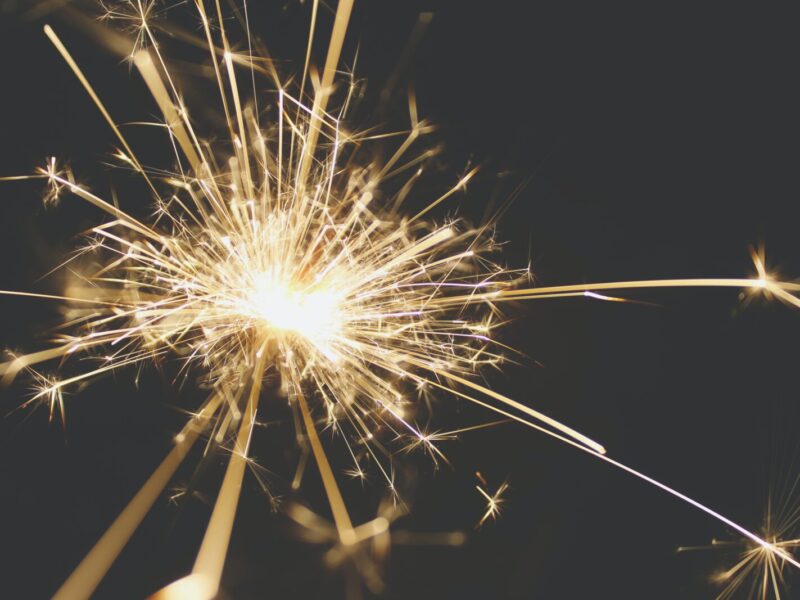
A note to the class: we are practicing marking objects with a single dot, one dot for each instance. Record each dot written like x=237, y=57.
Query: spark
x=48, y=391
x=54, y=174
x=765, y=564
x=760, y=570
x=493, y=501
x=51, y=171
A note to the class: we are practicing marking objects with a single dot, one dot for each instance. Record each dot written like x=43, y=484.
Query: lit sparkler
x=282, y=252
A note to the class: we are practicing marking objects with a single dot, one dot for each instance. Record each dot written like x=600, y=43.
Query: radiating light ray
x=88, y=574
x=46, y=390
x=757, y=571
x=782, y=289
x=211, y=556
x=100, y=106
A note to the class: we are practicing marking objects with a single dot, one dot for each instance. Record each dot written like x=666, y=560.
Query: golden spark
x=493, y=501
x=759, y=569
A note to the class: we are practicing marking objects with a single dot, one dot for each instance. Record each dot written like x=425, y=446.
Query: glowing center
x=312, y=314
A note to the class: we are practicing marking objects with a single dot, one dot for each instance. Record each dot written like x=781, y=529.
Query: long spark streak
x=343, y=10
x=341, y=517
x=88, y=574
x=211, y=556
x=100, y=106
x=783, y=289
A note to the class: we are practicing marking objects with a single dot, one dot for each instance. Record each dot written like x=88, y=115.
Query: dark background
x=655, y=143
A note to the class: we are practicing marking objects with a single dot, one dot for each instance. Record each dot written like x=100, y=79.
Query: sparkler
x=282, y=253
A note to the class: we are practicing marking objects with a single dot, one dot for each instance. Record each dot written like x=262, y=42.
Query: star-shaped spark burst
x=493, y=501
x=47, y=391
x=759, y=570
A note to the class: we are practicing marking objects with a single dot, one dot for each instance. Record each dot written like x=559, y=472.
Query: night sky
x=643, y=143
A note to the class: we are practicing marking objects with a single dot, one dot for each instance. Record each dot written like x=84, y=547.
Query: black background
x=655, y=142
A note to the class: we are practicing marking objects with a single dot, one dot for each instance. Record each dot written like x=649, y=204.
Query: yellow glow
x=313, y=314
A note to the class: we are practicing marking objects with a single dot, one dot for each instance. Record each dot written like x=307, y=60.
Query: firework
x=280, y=253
